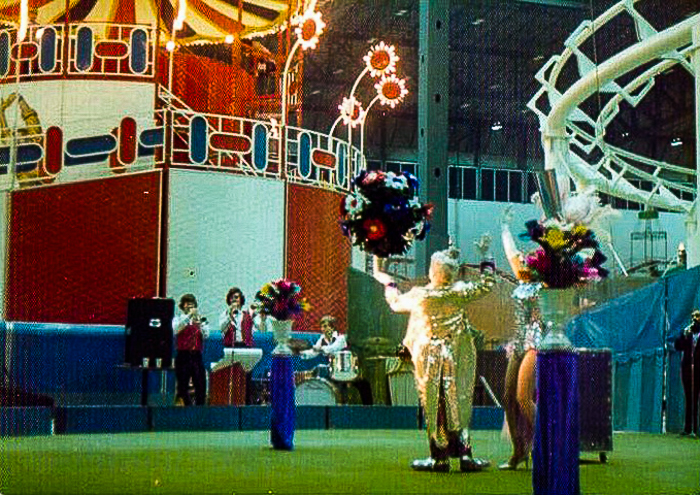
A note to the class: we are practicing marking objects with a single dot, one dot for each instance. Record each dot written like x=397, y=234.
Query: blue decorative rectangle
x=25, y=421
x=373, y=417
x=211, y=418
x=487, y=418
x=102, y=419
x=255, y=418
x=312, y=418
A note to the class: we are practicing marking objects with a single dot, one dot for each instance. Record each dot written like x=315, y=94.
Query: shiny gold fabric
x=440, y=339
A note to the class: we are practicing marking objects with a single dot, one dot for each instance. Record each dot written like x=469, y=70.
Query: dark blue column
x=555, y=455
x=283, y=417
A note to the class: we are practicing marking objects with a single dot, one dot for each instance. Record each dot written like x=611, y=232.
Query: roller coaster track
x=572, y=133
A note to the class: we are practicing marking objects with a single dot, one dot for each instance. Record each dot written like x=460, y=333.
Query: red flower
x=375, y=229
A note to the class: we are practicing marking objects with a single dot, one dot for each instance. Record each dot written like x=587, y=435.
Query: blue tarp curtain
x=635, y=327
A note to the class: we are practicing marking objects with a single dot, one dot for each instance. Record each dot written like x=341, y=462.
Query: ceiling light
x=676, y=142
x=476, y=22
x=401, y=12
x=496, y=126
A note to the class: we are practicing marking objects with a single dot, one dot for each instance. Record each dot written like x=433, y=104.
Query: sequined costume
x=528, y=329
x=440, y=339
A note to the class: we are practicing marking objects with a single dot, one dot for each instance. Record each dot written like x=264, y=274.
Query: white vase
x=557, y=306
x=282, y=330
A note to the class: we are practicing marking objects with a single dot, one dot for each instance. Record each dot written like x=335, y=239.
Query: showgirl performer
x=518, y=401
x=440, y=339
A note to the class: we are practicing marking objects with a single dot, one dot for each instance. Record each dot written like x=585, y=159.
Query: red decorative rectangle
x=111, y=49
x=79, y=251
x=318, y=255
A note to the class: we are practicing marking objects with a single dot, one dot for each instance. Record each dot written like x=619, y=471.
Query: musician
x=235, y=322
x=688, y=343
x=190, y=330
x=329, y=342
x=440, y=339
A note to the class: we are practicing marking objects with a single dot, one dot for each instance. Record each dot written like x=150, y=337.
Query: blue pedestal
x=283, y=416
x=555, y=456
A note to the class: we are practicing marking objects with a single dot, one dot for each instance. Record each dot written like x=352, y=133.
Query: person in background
x=190, y=329
x=440, y=340
x=235, y=322
x=261, y=324
x=329, y=342
x=687, y=342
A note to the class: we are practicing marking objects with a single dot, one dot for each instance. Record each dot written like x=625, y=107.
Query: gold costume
x=440, y=339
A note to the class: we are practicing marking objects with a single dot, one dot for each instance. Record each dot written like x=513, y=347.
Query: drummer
x=329, y=342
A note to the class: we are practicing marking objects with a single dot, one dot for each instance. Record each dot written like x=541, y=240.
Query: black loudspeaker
x=595, y=401
x=149, y=332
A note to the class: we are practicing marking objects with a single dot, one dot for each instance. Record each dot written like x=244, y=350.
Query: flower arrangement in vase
x=382, y=215
x=281, y=300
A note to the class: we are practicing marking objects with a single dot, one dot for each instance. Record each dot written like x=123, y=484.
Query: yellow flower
x=555, y=238
x=579, y=231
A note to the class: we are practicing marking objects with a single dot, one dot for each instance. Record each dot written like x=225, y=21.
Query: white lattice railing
x=626, y=77
x=104, y=49
x=174, y=135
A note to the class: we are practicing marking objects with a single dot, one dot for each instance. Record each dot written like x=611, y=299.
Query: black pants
x=189, y=364
x=691, y=388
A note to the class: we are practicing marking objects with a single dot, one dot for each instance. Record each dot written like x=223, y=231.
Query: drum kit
x=326, y=385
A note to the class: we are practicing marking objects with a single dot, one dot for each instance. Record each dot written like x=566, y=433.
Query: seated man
x=329, y=342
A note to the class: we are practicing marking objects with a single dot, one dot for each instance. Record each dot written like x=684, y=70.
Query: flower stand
x=283, y=417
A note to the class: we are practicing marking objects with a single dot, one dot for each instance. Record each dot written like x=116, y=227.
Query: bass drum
x=317, y=392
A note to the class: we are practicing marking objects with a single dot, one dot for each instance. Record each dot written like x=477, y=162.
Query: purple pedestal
x=283, y=414
x=555, y=455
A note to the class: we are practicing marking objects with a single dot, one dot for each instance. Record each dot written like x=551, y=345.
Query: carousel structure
x=155, y=148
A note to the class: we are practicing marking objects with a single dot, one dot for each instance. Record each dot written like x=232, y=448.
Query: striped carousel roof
x=206, y=21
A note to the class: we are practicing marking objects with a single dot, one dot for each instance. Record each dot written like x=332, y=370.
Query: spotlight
x=496, y=126
x=676, y=142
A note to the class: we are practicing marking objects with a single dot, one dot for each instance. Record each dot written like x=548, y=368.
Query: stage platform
x=28, y=421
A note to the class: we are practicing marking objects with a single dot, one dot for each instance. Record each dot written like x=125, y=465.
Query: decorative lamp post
x=23, y=20
x=391, y=91
x=178, y=23
x=308, y=27
x=380, y=61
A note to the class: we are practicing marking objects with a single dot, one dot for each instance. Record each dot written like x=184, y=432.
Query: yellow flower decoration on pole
x=381, y=60
x=391, y=90
x=309, y=27
x=351, y=112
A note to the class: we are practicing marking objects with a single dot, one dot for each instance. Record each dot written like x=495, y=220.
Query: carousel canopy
x=205, y=21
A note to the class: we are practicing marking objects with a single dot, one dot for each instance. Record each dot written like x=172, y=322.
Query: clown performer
x=440, y=339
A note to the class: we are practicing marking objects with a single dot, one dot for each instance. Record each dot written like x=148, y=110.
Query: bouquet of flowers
x=281, y=299
x=568, y=255
x=382, y=214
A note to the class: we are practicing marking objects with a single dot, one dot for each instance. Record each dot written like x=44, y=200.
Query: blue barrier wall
x=84, y=364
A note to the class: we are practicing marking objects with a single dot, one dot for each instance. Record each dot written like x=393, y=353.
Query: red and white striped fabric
x=206, y=21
